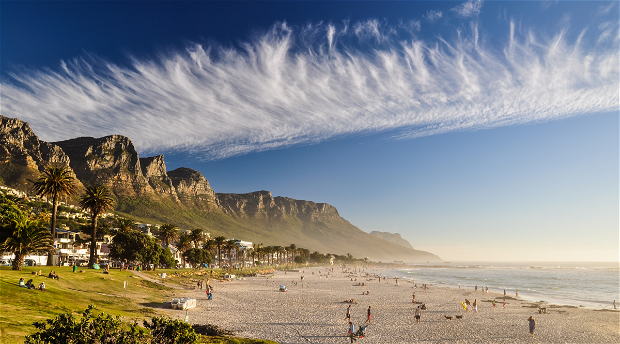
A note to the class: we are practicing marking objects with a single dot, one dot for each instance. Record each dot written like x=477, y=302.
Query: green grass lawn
x=20, y=307
x=72, y=293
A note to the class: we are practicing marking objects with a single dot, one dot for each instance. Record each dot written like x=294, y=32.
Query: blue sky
x=477, y=130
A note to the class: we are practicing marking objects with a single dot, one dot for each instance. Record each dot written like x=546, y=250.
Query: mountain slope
x=147, y=192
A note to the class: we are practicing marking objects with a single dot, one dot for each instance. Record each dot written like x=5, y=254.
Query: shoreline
x=253, y=308
x=525, y=293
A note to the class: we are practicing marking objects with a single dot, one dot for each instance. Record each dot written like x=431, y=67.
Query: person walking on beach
x=504, y=293
x=368, y=316
x=614, y=304
x=414, y=297
x=517, y=293
x=418, y=314
x=348, y=316
x=476, y=289
x=504, y=303
x=532, y=325
x=475, y=305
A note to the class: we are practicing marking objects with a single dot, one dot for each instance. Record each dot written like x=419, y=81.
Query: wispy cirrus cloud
x=321, y=81
x=469, y=8
x=431, y=15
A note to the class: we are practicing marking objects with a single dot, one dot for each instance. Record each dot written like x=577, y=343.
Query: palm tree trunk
x=18, y=262
x=93, y=241
x=219, y=256
x=50, y=255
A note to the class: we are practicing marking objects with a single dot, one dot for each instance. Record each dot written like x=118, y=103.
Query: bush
x=102, y=328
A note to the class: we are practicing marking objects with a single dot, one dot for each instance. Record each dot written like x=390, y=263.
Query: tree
x=24, y=237
x=96, y=201
x=197, y=257
x=125, y=225
x=184, y=244
x=54, y=182
x=197, y=235
x=167, y=233
x=230, y=246
x=209, y=245
x=292, y=248
x=219, y=242
x=137, y=246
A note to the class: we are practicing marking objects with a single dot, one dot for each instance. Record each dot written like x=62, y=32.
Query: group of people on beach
x=351, y=332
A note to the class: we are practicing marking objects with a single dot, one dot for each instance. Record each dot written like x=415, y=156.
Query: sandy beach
x=254, y=308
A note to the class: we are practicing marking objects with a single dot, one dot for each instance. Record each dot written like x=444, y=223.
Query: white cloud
x=431, y=15
x=468, y=9
x=292, y=86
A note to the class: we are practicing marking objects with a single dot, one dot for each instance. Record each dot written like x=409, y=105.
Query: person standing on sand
x=368, y=316
x=504, y=303
x=351, y=332
x=475, y=305
x=504, y=293
x=615, y=304
x=532, y=325
x=476, y=289
x=418, y=314
x=517, y=293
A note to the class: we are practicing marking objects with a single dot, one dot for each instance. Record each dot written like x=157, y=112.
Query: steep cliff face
x=19, y=144
x=154, y=170
x=262, y=205
x=23, y=155
x=317, y=226
x=192, y=188
x=393, y=237
x=110, y=160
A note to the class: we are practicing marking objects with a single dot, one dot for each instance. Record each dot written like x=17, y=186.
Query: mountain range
x=146, y=191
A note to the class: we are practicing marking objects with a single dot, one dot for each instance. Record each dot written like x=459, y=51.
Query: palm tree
x=219, y=242
x=197, y=235
x=277, y=250
x=184, y=244
x=258, y=248
x=125, y=225
x=27, y=237
x=209, y=245
x=167, y=233
x=54, y=182
x=96, y=201
x=252, y=253
x=293, y=248
x=230, y=246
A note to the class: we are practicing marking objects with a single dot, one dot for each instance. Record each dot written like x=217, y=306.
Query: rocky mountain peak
x=23, y=155
x=110, y=160
x=193, y=188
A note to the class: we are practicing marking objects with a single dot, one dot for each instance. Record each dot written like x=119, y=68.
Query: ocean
x=587, y=284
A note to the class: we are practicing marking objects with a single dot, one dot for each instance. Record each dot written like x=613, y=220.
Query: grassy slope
x=73, y=293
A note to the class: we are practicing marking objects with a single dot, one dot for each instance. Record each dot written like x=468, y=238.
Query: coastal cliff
x=393, y=237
